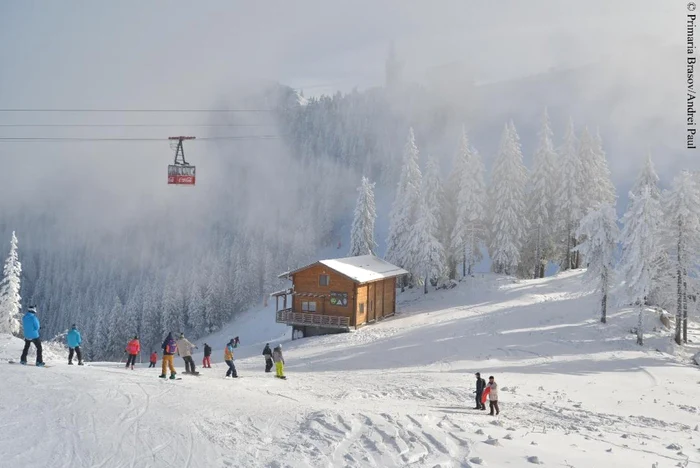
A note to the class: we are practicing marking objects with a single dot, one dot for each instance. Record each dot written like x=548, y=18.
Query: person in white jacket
x=184, y=349
x=493, y=396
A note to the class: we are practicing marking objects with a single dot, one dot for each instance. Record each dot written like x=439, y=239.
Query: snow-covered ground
x=399, y=393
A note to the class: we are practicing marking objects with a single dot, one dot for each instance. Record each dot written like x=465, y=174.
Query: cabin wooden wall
x=377, y=298
x=389, y=296
x=361, y=300
x=307, y=281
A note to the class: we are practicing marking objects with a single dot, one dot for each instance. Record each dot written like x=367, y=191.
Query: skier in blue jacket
x=74, y=339
x=31, y=326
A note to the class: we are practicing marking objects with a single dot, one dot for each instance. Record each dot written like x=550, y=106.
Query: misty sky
x=157, y=54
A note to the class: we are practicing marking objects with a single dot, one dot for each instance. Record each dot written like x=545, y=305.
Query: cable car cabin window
x=179, y=174
x=308, y=306
x=324, y=280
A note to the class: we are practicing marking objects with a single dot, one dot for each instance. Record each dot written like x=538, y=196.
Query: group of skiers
x=182, y=347
x=492, y=388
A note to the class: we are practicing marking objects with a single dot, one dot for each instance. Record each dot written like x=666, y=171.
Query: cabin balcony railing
x=300, y=318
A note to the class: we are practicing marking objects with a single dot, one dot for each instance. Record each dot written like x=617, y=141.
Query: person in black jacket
x=267, y=352
x=480, y=385
x=207, y=356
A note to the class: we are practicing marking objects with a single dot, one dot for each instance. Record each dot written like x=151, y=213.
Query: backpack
x=171, y=347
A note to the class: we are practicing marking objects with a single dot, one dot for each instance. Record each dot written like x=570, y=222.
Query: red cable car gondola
x=180, y=173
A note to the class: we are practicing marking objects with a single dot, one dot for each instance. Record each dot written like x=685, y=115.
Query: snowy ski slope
x=399, y=393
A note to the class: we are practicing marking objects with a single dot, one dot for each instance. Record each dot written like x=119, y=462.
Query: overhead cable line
x=29, y=125
x=67, y=139
x=137, y=110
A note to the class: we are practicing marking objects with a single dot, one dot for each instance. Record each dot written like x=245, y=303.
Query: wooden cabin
x=335, y=295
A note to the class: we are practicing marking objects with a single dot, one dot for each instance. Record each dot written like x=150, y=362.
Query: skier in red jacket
x=132, y=349
x=154, y=359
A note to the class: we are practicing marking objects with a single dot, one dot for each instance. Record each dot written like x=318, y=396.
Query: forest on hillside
x=191, y=262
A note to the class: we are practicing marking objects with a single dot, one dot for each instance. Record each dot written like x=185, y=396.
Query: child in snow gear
x=279, y=361
x=493, y=396
x=206, y=362
x=73, y=339
x=184, y=349
x=480, y=385
x=31, y=326
x=132, y=349
x=267, y=352
x=169, y=349
x=153, y=360
x=228, y=359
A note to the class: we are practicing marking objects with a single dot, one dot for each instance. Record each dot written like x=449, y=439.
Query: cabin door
x=371, y=306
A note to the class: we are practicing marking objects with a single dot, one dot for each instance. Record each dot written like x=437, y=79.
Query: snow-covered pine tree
x=647, y=178
x=541, y=202
x=569, y=203
x=597, y=186
x=663, y=283
x=151, y=326
x=681, y=237
x=469, y=229
x=404, y=211
x=10, y=299
x=170, y=320
x=119, y=332
x=362, y=231
x=429, y=253
x=604, y=190
x=640, y=246
x=507, y=203
x=600, y=233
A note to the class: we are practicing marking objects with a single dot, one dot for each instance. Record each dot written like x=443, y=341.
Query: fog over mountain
x=328, y=92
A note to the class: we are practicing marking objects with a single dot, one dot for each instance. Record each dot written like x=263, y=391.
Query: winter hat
x=478, y=374
x=74, y=326
x=182, y=335
x=32, y=309
x=136, y=337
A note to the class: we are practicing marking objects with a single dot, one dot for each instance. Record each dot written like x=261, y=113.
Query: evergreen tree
x=681, y=236
x=663, y=283
x=151, y=321
x=10, y=299
x=429, y=253
x=647, y=178
x=604, y=190
x=362, y=231
x=404, y=211
x=508, y=223
x=640, y=247
x=600, y=233
x=468, y=231
x=170, y=321
x=569, y=203
x=541, y=201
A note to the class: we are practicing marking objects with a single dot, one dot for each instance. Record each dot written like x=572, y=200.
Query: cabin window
x=324, y=280
x=308, y=306
x=362, y=308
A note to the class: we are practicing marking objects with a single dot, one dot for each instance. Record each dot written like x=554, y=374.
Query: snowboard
x=168, y=378
x=27, y=364
x=284, y=377
x=485, y=395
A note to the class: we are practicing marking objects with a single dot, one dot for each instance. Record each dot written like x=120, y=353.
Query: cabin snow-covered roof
x=361, y=269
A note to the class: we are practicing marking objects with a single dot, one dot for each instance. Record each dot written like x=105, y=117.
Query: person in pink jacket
x=132, y=349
